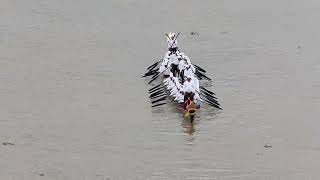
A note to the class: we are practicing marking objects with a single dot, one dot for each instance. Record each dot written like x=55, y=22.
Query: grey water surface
x=73, y=105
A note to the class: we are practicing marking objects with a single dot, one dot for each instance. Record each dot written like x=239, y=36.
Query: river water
x=74, y=105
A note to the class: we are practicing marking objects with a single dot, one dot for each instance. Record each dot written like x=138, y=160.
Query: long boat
x=169, y=84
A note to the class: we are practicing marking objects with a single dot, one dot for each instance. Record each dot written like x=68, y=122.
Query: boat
x=171, y=86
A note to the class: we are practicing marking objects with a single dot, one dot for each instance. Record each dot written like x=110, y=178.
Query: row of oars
x=154, y=72
x=158, y=95
x=208, y=97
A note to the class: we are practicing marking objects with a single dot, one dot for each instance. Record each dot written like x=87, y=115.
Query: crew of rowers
x=176, y=64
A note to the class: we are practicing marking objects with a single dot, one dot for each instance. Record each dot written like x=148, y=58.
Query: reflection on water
x=187, y=126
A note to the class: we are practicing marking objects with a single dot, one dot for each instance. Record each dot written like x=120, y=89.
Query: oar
x=156, y=90
x=156, y=93
x=158, y=104
x=213, y=105
x=199, y=74
x=152, y=68
x=207, y=90
x=202, y=90
x=198, y=67
x=161, y=99
x=212, y=101
x=153, y=65
x=150, y=73
x=207, y=94
x=155, y=87
x=199, y=77
x=206, y=77
x=156, y=74
x=209, y=97
x=155, y=77
x=159, y=95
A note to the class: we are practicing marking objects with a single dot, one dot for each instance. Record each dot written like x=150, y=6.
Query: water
x=74, y=106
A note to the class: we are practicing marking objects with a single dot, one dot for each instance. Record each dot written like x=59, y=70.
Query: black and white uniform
x=189, y=90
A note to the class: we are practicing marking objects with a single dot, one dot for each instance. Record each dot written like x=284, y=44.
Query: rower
x=173, y=59
x=189, y=89
x=166, y=71
x=188, y=71
x=182, y=66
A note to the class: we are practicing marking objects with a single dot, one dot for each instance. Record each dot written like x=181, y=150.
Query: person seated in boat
x=186, y=58
x=164, y=62
x=165, y=71
x=196, y=83
x=189, y=89
x=173, y=61
x=185, y=67
x=182, y=66
x=188, y=71
x=190, y=105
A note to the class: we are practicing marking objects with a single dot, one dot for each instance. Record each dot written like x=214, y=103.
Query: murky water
x=73, y=105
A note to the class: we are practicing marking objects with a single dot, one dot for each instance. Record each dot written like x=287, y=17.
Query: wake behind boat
x=180, y=81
